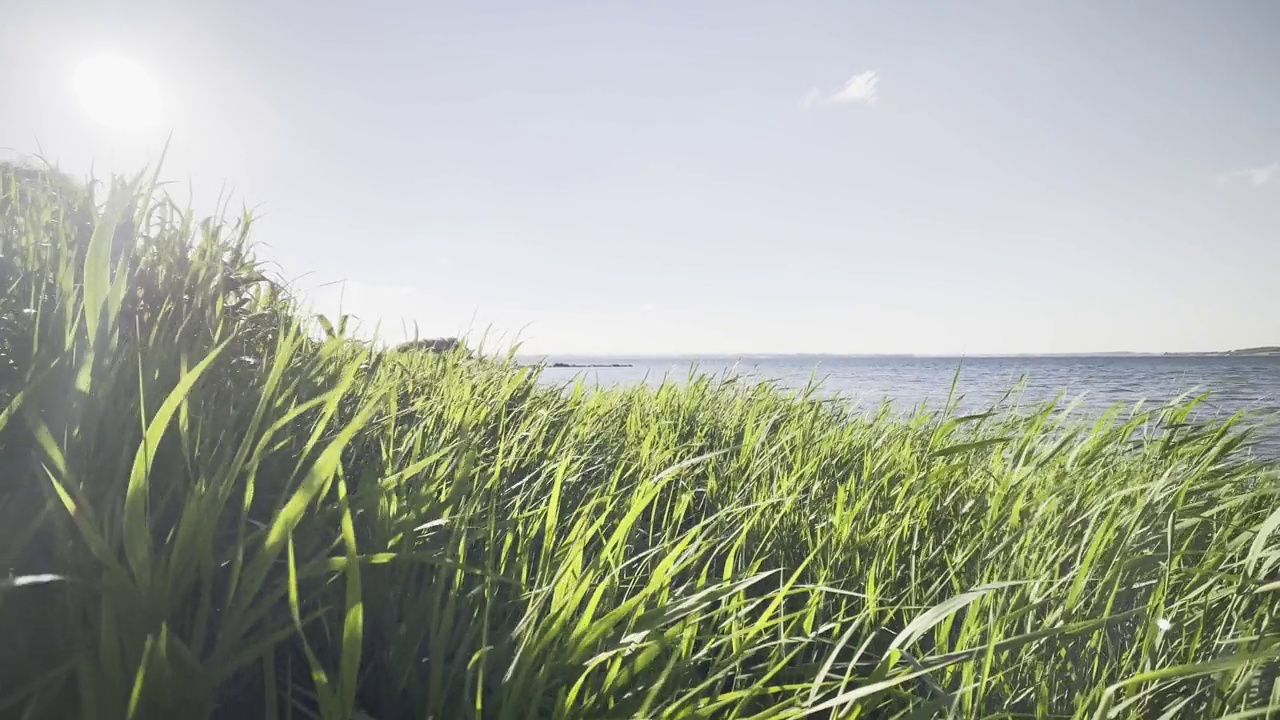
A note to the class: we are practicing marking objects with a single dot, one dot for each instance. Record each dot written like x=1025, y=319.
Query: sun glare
x=118, y=93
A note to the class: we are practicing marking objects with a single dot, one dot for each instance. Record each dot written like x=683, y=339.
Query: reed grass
x=210, y=508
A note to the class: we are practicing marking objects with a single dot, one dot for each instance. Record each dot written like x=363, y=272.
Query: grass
x=213, y=507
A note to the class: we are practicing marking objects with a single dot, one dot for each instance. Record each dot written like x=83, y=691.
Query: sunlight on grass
x=213, y=507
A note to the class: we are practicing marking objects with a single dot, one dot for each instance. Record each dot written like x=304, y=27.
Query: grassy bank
x=210, y=508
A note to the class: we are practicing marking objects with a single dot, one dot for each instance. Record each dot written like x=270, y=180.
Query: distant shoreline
x=1253, y=352
x=603, y=360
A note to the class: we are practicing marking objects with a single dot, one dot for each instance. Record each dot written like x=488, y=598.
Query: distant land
x=1253, y=351
x=596, y=360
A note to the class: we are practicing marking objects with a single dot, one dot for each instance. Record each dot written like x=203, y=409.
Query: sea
x=1232, y=384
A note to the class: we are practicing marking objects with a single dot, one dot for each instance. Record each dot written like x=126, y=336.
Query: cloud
x=861, y=88
x=1259, y=176
x=647, y=308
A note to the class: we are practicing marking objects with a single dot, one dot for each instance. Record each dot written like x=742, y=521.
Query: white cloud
x=1259, y=176
x=647, y=308
x=861, y=88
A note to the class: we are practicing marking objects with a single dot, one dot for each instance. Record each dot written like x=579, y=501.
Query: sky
x=712, y=177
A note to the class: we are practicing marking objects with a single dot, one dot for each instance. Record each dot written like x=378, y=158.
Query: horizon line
x=1259, y=351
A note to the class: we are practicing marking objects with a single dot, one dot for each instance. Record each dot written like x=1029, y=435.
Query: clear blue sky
x=612, y=177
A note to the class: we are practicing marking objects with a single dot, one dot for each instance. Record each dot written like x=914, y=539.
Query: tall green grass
x=209, y=508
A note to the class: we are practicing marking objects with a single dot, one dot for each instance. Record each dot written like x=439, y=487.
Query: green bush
x=212, y=508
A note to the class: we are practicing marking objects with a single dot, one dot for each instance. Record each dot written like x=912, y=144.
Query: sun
x=118, y=93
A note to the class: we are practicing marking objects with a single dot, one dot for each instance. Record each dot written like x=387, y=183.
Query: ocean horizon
x=1231, y=384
